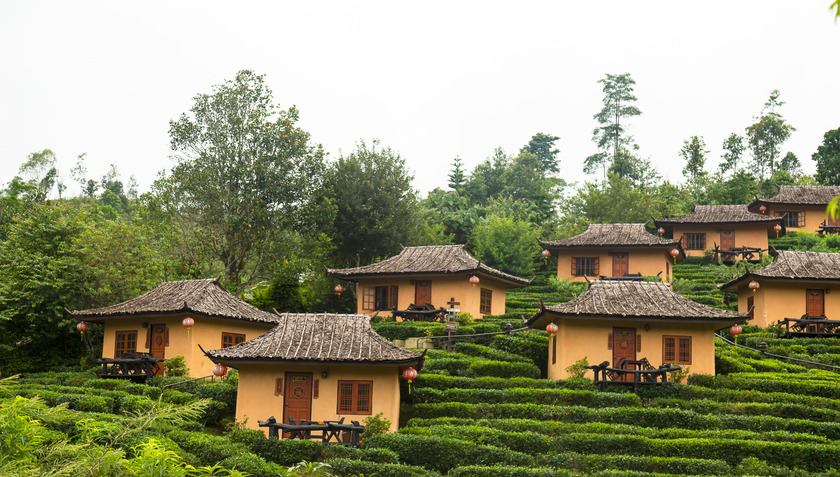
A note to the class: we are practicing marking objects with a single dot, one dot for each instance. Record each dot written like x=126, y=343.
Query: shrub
x=252, y=465
x=506, y=471
x=347, y=467
x=488, y=352
x=176, y=366
x=374, y=426
x=578, y=369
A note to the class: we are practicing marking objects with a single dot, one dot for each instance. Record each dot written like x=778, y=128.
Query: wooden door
x=422, y=292
x=620, y=265
x=727, y=239
x=624, y=346
x=814, y=302
x=157, y=344
x=297, y=398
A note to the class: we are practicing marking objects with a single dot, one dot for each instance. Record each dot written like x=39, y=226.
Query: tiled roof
x=431, y=259
x=795, y=266
x=631, y=299
x=804, y=195
x=719, y=214
x=613, y=235
x=321, y=337
x=206, y=296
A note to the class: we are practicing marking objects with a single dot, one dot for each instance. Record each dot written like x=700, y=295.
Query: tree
x=694, y=153
x=542, y=146
x=457, y=177
x=244, y=171
x=766, y=136
x=611, y=134
x=524, y=180
x=39, y=169
x=376, y=207
x=827, y=158
x=506, y=243
x=734, y=150
x=790, y=164
x=486, y=180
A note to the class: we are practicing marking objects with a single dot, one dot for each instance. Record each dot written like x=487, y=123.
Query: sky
x=432, y=80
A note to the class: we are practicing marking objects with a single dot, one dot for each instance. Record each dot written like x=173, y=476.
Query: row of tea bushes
x=554, y=397
x=443, y=382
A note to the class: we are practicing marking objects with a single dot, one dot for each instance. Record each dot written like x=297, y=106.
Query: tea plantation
x=481, y=410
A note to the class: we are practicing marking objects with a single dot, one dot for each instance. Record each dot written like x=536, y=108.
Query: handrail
x=780, y=357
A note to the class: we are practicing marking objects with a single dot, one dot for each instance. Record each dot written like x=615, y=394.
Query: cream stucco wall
x=746, y=235
x=775, y=301
x=207, y=332
x=257, y=401
x=443, y=289
x=646, y=261
x=577, y=339
x=814, y=215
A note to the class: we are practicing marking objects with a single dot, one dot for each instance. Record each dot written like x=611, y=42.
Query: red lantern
x=474, y=280
x=545, y=255
x=409, y=375
x=82, y=326
x=735, y=330
x=219, y=370
x=675, y=253
x=552, y=328
x=763, y=208
x=753, y=286
x=188, y=323
x=339, y=290
x=661, y=231
x=777, y=228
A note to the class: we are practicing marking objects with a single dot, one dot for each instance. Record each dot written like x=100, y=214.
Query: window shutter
x=315, y=389
x=703, y=241
x=597, y=270
x=166, y=336
x=638, y=343
x=610, y=341
x=800, y=219
x=684, y=241
x=278, y=386
x=392, y=297
x=148, y=337
x=574, y=266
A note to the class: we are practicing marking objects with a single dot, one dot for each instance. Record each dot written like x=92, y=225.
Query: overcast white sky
x=433, y=80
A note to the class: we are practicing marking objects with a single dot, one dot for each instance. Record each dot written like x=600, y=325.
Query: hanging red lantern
x=777, y=228
x=410, y=374
x=339, y=290
x=188, y=323
x=220, y=370
x=545, y=255
x=763, y=208
x=753, y=286
x=474, y=280
x=552, y=329
x=82, y=327
x=661, y=231
x=735, y=330
x=675, y=253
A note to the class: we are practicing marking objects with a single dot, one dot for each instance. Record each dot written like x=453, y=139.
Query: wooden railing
x=632, y=373
x=138, y=368
x=815, y=326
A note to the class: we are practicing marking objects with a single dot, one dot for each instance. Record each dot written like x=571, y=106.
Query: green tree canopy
x=694, y=153
x=827, y=158
x=766, y=136
x=542, y=146
x=611, y=136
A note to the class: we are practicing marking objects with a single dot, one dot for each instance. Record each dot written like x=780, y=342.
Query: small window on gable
x=231, y=339
x=355, y=397
x=126, y=342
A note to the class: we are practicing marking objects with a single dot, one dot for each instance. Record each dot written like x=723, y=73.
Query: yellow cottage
x=436, y=275
x=631, y=320
x=723, y=227
x=802, y=208
x=797, y=285
x=613, y=250
x=318, y=367
x=152, y=323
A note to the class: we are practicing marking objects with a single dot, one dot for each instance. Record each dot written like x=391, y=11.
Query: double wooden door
x=727, y=239
x=620, y=264
x=422, y=292
x=297, y=398
x=624, y=346
x=815, y=302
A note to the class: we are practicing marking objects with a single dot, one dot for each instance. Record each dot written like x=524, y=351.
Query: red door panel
x=422, y=292
x=297, y=400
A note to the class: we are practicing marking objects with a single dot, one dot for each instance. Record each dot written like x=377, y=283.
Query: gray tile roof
x=634, y=300
x=431, y=259
x=205, y=296
x=613, y=235
x=794, y=266
x=802, y=195
x=719, y=214
x=321, y=337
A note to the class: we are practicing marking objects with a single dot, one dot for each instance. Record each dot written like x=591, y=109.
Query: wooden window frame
x=353, y=397
x=694, y=241
x=368, y=298
x=388, y=294
x=234, y=339
x=676, y=349
x=486, y=303
x=576, y=266
x=126, y=333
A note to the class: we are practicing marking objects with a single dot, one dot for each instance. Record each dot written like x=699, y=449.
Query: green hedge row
x=552, y=428
x=813, y=383
x=353, y=468
x=487, y=352
x=481, y=367
x=440, y=381
x=211, y=450
x=563, y=397
x=645, y=417
x=784, y=410
x=723, y=395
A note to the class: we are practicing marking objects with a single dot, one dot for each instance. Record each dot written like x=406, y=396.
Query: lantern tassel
x=409, y=386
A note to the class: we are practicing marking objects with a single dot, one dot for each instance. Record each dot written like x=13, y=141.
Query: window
x=584, y=266
x=230, y=339
x=676, y=349
x=792, y=218
x=694, y=241
x=486, y=301
x=380, y=298
x=126, y=342
x=354, y=397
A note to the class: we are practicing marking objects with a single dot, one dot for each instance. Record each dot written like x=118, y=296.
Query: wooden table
x=329, y=432
x=139, y=368
x=604, y=374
